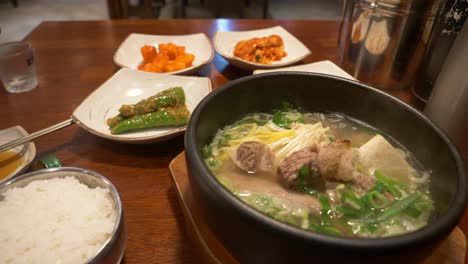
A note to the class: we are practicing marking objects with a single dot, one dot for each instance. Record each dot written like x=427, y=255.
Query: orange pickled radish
x=148, y=53
x=167, y=58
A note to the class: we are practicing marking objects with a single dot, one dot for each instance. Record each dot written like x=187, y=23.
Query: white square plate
x=325, y=67
x=225, y=43
x=27, y=151
x=128, y=55
x=129, y=87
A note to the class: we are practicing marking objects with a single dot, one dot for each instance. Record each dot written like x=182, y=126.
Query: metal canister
x=382, y=42
x=448, y=24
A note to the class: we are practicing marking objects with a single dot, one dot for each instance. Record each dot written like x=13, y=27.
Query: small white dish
x=129, y=87
x=325, y=67
x=128, y=54
x=225, y=43
x=26, y=151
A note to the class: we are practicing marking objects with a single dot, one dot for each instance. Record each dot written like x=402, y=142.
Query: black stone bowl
x=253, y=237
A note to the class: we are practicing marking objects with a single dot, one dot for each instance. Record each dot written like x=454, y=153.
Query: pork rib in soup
x=321, y=172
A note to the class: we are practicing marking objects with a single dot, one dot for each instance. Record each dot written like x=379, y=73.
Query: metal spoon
x=25, y=139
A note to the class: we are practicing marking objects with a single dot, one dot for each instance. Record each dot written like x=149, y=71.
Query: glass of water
x=17, y=68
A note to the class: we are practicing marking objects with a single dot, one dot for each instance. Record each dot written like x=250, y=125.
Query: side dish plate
x=27, y=151
x=128, y=87
x=128, y=55
x=225, y=43
x=325, y=67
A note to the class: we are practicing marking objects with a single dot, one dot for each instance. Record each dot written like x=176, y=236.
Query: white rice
x=54, y=221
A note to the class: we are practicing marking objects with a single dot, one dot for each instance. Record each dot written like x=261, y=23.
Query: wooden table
x=73, y=59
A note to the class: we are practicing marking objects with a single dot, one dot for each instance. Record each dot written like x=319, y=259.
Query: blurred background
x=19, y=17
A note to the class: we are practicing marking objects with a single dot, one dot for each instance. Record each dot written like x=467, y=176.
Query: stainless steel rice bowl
x=113, y=249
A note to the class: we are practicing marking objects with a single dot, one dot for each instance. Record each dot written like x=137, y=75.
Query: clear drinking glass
x=17, y=68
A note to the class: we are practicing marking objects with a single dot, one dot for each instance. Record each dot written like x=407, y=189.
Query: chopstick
x=34, y=135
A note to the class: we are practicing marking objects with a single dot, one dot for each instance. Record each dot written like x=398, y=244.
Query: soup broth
x=321, y=172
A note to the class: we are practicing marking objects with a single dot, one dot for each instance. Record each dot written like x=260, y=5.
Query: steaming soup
x=321, y=172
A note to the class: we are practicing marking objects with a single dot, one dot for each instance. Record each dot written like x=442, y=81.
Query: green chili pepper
x=168, y=117
x=172, y=97
x=111, y=122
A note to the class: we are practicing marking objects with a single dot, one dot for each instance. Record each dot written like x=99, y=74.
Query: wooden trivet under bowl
x=451, y=251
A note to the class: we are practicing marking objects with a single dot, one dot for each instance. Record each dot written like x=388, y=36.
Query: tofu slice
x=379, y=154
